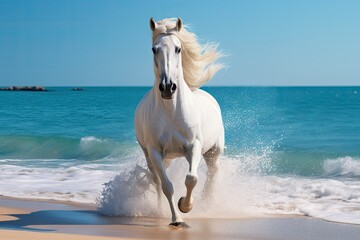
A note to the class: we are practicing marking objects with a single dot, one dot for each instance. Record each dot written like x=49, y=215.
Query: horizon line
x=134, y=86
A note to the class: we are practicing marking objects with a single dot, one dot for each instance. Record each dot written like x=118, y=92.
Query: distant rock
x=26, y=88
x=78, y=89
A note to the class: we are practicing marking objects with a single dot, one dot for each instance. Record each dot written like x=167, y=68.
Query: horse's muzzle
x=167, y=90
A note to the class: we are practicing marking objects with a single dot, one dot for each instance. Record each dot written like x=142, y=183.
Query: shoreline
x=53, y=201
x=42, y=219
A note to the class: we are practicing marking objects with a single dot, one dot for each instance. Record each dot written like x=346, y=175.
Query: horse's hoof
x=184, y=209
x=179, y=224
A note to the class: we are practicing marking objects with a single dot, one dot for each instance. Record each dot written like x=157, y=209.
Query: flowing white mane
x=198, y=61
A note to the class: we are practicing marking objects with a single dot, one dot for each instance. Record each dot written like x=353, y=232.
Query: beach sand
x=28, y=219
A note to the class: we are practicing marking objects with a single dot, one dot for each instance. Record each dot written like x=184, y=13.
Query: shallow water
x=288, y=151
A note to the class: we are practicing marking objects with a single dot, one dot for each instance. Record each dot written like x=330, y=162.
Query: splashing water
x=132, y=192
x=242, y=190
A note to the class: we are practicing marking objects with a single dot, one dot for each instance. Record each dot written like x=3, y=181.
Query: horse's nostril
x=173, y=87
x=161, y=87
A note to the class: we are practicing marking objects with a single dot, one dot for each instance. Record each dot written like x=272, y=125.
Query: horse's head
x=167, y=59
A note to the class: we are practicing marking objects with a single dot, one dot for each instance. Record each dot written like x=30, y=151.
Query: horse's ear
x=178, y=24
x=153, y=24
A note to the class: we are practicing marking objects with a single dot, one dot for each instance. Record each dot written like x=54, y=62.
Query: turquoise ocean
x=289, y=150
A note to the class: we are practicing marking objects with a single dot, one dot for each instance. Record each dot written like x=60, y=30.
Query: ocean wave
x=342, y=167
x=91, y=139
x=328, y=199
x=46, y=147
x=243, y=189
x=239, y=193
x=76, y=183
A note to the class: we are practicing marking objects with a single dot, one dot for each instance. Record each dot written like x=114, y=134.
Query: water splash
x=342, y=167
x=132, y=192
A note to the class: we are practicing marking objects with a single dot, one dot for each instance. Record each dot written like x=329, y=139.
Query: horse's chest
x=175, y=141
x=173, y=137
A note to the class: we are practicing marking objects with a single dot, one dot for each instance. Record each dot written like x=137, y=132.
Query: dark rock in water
x=27, y=88
x=77, y=89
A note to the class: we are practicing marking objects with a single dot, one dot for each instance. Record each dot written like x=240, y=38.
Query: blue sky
x=101, y=43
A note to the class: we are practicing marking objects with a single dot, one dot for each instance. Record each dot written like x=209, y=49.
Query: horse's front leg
x=157, y=182
x=167, y=187
x=155, y=177
x=193, y=156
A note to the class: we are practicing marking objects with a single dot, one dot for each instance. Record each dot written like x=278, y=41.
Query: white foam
x=344, y=166
x=242, y=189
x=132, y=193
x=76, y=183
x=240, y=193
x=328, y=199
x=90, y=139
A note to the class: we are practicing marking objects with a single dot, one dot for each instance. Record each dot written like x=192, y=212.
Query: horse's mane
x=198, y=61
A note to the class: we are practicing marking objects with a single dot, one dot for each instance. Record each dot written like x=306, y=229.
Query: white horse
x=175, y=118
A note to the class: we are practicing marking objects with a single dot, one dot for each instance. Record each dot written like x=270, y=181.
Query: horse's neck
x=181, y=107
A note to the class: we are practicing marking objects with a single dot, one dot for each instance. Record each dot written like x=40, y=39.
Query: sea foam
x=76, y=183
x=244, y=188
x=343, y=167
x=240, y=192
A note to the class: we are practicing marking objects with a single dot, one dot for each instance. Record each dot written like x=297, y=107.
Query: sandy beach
x=26, y=219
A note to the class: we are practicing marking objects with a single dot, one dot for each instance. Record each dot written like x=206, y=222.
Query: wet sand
x=28, y=219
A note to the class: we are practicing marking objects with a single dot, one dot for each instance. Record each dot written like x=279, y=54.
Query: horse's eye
x=154, y=50
x=177, y=50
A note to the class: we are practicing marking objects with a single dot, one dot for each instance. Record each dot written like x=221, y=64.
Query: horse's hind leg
x=193, y=156
x=211, y=157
